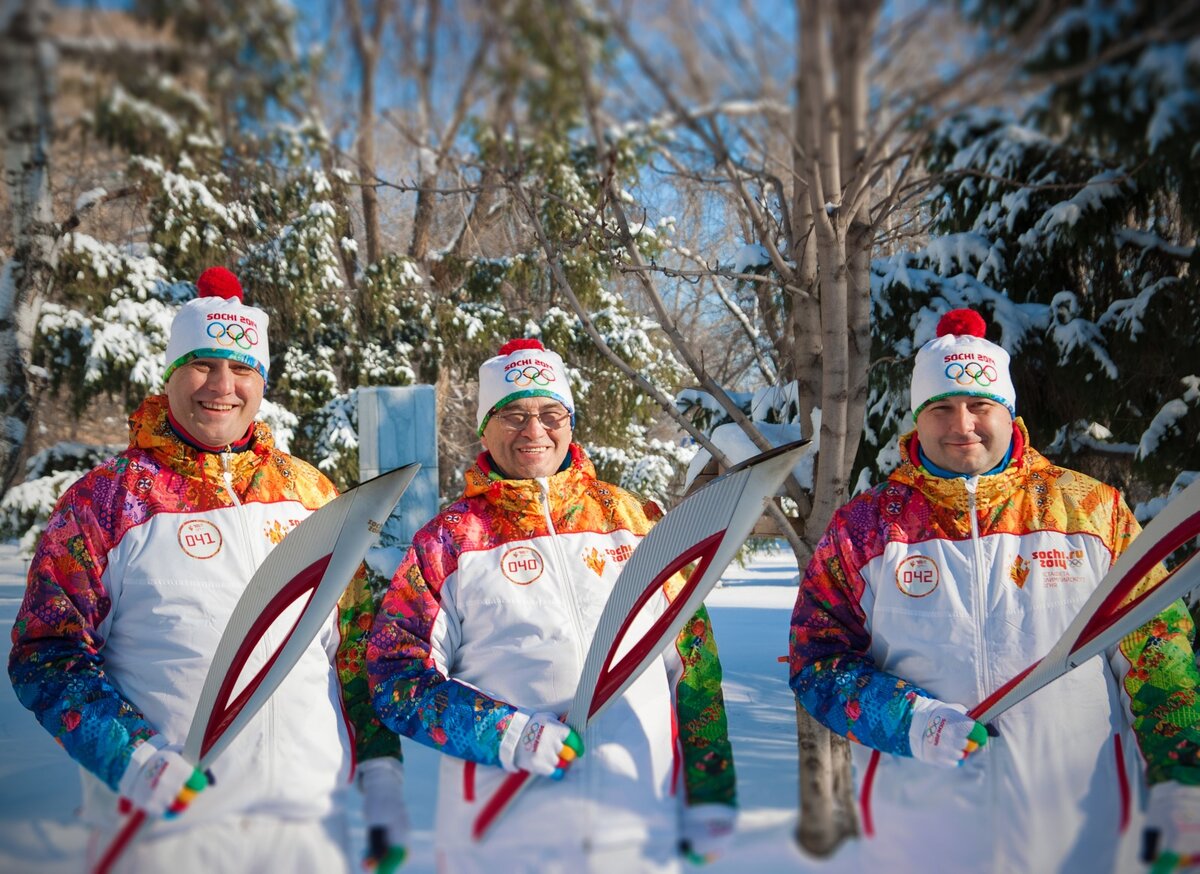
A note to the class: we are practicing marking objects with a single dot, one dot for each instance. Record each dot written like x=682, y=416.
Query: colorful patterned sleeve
x=695, y=672
x=356, y=613
x=56, y=663
x=410, y=692
x=832, y=672
x=1157, y=667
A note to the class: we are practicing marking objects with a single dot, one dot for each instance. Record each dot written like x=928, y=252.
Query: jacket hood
x=1026, y=462
x=150, y=432
x=482, y=477
x=520, y=499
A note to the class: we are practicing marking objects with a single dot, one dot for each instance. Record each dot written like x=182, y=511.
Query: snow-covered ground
x=39, y=787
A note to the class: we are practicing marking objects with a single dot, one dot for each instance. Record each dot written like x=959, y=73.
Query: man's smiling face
x=520, y=442
x=965, y=434
x=215, y=399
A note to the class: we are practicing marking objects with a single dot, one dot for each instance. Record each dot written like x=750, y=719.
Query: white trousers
x=238, y=845
x=540, y=859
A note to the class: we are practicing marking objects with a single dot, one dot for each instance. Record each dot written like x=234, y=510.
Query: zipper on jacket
x=561, y=561
x=979, y=581
x=592, y=788
x=227, y=474
x=253, y=547
x=256, y=555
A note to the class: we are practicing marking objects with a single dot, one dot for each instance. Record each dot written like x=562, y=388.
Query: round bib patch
x=917, y=576
x=522, y=565
x=200, y=538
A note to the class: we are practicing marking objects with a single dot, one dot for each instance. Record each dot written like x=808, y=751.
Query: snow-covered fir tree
x=220, y=173
x=1072, y=227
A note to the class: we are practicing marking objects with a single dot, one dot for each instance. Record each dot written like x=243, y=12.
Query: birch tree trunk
x=367, y=46
x=857, y=22
x=424, y=214
x=830, y=125
x=805, y=358
x=26, y=91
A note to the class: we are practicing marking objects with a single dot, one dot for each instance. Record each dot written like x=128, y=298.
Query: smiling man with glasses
x=529, y=438
x=480, y=641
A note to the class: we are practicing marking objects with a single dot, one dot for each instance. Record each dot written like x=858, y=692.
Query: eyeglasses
x=516, y=420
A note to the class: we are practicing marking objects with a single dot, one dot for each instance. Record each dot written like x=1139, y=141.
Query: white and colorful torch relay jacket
x=493, y=609
x=131, y=587
x=947, y=588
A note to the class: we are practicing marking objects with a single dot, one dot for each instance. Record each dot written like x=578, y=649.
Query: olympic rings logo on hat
x=530, y=375
x=233, y=335
x=982, y=375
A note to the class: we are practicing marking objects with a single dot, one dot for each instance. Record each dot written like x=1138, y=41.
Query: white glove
x=707, y=832
x=382, y=784
x=942, y=734
x=540, y=744
x=158, y=780
x=1171, y=840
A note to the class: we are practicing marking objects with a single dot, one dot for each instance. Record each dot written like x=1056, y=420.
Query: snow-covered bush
x=25, y=507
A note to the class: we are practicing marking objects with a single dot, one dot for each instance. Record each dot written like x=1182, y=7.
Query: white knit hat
x=959, y=361
x=522, y=369
x=218, y=325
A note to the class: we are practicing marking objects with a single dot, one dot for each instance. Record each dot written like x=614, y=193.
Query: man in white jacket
x=929, y=592
x=131, y=586
x=480, y=640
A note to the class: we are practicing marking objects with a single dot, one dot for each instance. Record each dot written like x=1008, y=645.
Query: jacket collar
x=150, y=431
x=567, y=485
x=989, y=489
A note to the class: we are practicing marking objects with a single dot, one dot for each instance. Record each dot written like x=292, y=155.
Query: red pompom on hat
x=962, y=323
x=219, y=282
x=515, y=345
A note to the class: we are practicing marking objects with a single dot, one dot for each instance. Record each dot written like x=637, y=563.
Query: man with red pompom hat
x=130, y=588
x=931, y=591
x=479, y=643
